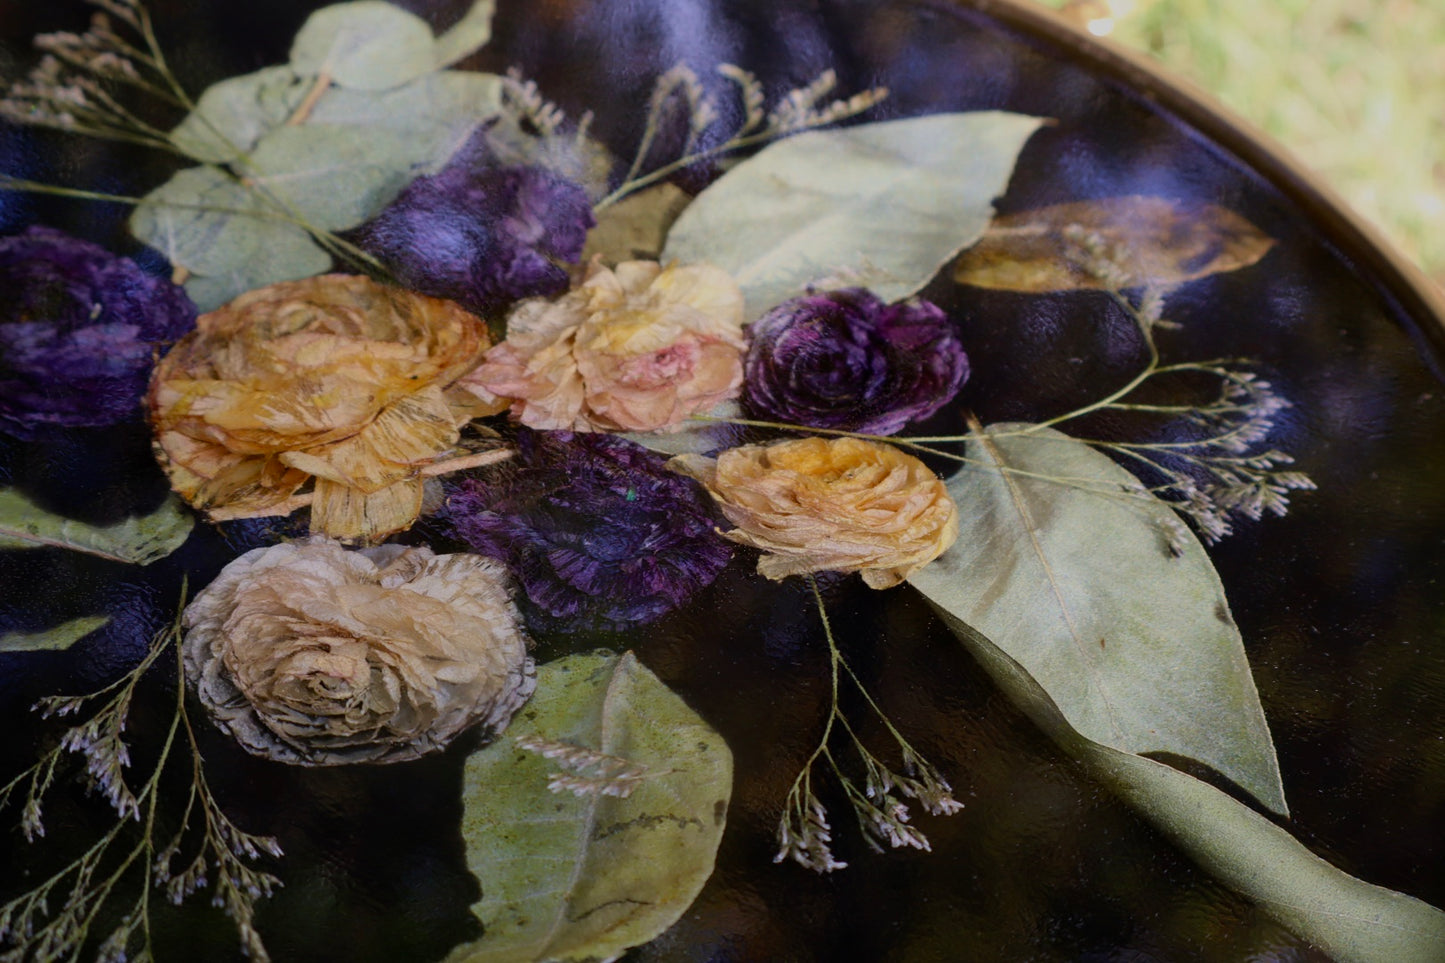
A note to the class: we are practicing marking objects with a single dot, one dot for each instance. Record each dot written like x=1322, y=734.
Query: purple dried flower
x=482, y=238
x=79, y=330
x=847, y=361
x=597, y=531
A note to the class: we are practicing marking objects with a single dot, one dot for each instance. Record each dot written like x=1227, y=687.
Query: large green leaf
x=883, y=205
x=569, y=877
x=138, y=540
x=1095, y=588
x=369, y=44
x=468, y=34
x=232, y=114
x=58, y=639
x=1353, y=921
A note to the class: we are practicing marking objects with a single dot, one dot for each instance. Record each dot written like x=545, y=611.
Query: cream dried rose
x=839, y=505
x=312, y=654
x=635, y=348
x=333, y=381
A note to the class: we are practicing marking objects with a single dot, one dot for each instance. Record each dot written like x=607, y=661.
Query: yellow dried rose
x=635, y=348
x=312, y=654
x=336, y=379
x=838, y=505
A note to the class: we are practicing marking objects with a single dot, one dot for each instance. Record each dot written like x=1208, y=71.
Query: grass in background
x=1355, y=89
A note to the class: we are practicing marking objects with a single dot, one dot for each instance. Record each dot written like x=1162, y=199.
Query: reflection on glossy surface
x=1341, y=604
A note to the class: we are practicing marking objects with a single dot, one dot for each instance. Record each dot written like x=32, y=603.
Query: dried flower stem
x=29, y=930
x=804, y=833
x=798, y=111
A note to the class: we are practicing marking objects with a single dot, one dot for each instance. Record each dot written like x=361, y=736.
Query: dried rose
x=638, y=348
x=312, y=654
x=837, y=505
x=482, y=238
x=335, y=378
x=595, y=528
x=847, y=361
x=79, y=331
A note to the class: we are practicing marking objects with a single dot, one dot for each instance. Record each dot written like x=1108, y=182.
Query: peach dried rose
x=312, y=654
x=839, y=505
x=336, y=381
x=635, y=348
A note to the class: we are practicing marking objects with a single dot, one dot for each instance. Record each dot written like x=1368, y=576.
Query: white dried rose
x=830, y=505
x=312, y=654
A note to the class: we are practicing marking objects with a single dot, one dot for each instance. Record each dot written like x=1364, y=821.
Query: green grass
x=1355, y=89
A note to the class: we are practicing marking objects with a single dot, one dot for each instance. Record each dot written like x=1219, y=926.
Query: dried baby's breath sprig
x=523, y=99
x=681, y=88
x=71, y=89
x=56, y=918
x=804, y=833
x=587, y=772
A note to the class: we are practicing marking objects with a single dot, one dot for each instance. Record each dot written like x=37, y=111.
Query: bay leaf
x=233, y=114
x=467, y=35
x=58, y=639
x=138, y=540
x=1064, y=561
x=569, y=877
x=887, y=203
x=1351, y=920
x=368, y=44
x=636, y=226
x=1156, y=240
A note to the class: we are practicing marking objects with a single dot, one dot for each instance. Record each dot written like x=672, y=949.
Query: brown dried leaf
x=636, y=227
x=1154, y=240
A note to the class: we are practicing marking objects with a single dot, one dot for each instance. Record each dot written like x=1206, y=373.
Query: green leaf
x=696, y=437
x=884, y=205
x=368, y=44
x=333, y=177
x=232, y=115
x=137, y=540
x=569, y=877
x=57, y=639
x=1353, y=921
x=467, y=35
x=1065, y=562
x=226, y=234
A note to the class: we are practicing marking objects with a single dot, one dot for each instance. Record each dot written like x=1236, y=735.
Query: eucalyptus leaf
x=369, y=44
x=58, y=639
x=227, y=235
x=138, y=540
x=1093, y=586
x=694, y=437
x=636, y=227
x=467, y=35
x=332, y=176
x=233, y=114
x=1353, y=921
x=884, y=204
x=571, y=877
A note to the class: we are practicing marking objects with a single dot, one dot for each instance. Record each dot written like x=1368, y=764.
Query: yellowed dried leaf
x=1153, y=239
x=636, y=227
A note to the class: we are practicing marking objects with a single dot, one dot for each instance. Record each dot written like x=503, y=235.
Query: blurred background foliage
x=1355, y=89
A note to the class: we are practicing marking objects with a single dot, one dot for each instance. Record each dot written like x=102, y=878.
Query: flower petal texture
x=316, y=655
x=482, y=238
x=845, y=360
x=835, y=505
x=596, y=529
x=79, y=331
x=334, y=381
x=635, y=348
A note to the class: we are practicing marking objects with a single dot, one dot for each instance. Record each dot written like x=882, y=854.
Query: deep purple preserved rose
x=79, y=330
x=599, y=534
x=482, y=238
x=847, y=361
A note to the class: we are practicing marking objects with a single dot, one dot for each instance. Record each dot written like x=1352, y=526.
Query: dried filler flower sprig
x=801, y=109
x=804, y=833
x=56, y=919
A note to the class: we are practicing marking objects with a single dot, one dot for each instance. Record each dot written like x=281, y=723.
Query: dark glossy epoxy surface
x=1341, y=603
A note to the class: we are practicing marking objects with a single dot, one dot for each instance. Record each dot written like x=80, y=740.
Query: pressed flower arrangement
x=455, y=407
